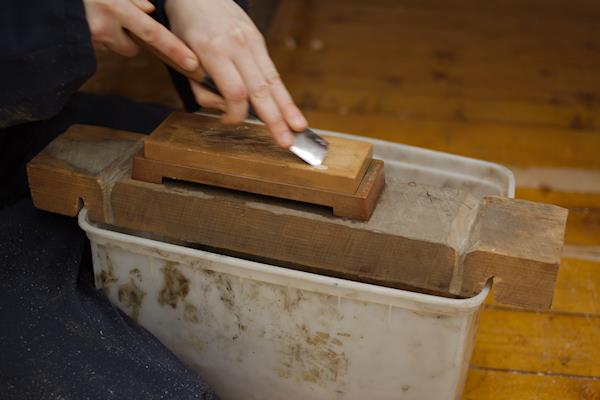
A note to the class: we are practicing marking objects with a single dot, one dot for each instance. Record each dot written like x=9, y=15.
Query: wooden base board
x=359, y=205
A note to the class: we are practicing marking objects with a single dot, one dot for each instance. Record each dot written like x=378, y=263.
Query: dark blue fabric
x=60, y=338
x=45, y=55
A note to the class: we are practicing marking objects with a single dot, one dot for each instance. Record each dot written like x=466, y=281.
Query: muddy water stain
x=106, y=276
x=317, y=339
x=314, y=358
x=292, y=299
x=131, y=296
x=190, y=313
x=136, y=273
x=226, y=290
x=175, y=286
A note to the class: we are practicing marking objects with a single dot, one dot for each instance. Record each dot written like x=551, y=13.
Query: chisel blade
x=310, y=147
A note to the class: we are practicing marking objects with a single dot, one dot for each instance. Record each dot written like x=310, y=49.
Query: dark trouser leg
x=59, y=337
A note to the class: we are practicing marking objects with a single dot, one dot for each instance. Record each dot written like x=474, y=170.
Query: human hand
x=233, y=52
x=108, y=21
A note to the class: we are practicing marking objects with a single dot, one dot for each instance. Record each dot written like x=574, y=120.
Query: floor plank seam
x=582, y=252
x=537, y=373
x=552, y=312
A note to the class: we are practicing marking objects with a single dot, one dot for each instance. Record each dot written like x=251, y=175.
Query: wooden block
x=358, y=205
x=247, y=150
x=423, y=238
x=519, y=236
x=76, y=168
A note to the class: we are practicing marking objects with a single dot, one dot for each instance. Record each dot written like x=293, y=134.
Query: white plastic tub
x=257, y=331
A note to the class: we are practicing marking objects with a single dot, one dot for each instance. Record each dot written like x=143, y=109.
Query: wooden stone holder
x=423, y=238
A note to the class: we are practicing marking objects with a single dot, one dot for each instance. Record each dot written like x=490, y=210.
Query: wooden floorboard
x=577, y=288
x=509, y=144
x=547, y=342
x=488, y=384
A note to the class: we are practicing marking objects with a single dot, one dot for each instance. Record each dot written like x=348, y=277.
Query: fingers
x=270, y=98
x=144, y=5
x=230, y=84
x=233, y=52
x=106, y=32
x=282, y=98
x=121, y=43
x=261, y=96
x=155, y=34
x=99, y=46
x=108, y=19
x=206, y=98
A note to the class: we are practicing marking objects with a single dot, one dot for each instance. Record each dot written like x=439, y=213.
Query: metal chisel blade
x=310, y=147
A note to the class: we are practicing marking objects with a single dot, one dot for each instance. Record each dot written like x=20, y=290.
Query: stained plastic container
x=258, y=331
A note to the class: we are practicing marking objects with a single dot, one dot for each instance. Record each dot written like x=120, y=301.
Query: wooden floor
x=515, y=82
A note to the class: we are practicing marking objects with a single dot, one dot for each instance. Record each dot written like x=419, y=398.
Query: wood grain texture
x=513, y=145
x=577, y=288
x=485, y=384
x=522, y=237
x=430, y=239
x=429, y=62
x=295, y=235
x=583, y=225
x=526, y=341
x=358, y=205
x=248, y=150
x=79, y=168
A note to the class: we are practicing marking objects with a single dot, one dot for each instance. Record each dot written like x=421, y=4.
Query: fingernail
x=286, y=139
x=299, y=121
x=190, y=64
x=147, y=5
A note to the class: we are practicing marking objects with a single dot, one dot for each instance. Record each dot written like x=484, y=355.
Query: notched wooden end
x=78, y=166
x=53, y=190
x=518, y=243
